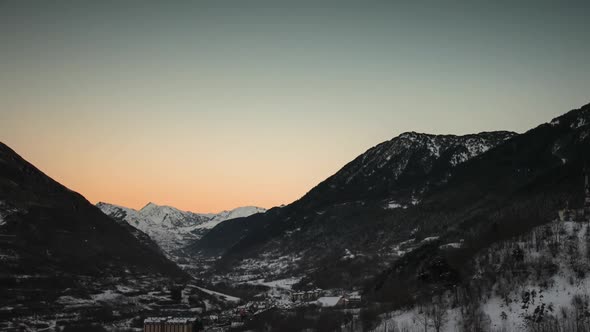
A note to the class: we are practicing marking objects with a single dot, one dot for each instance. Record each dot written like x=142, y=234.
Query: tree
x=423, y=317
x=176, y=294
x=437, y=313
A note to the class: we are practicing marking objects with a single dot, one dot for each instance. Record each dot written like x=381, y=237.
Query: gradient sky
x=213, y=105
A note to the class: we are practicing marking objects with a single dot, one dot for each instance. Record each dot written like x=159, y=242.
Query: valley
x=481, y=232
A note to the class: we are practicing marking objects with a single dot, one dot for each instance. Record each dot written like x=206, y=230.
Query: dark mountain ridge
x=503, y=193
x=410, y=188
x=55, y=245
x=360, y=208
x=403, y=167
x=61, y=226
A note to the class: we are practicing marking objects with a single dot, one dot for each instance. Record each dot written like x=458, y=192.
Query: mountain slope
x=403, y=168
x=505, y=192
x=171, y=228
x=533, y=282
x=353, y=210
x=52, y=241
x=376, y=213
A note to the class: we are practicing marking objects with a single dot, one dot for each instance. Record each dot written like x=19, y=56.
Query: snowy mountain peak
x=149, y=205
x=425, y=149
x=404, y=167
x=170, y=227
x=421, y=150
x=240, y=212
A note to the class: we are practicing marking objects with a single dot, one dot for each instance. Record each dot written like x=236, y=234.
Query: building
x=307, y=296
x=354, y=300
x=171, y=324
x=331, y=301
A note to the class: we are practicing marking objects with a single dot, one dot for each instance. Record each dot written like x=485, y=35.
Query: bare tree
x=437, y=313
x=422, y=316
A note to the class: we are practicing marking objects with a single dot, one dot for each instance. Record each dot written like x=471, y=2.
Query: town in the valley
x=183, y=318
x=280, y=295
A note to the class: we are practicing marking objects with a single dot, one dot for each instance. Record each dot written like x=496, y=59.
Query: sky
x=211, y=105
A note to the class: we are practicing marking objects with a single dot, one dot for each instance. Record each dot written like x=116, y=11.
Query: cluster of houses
x=306, y=296
x=171, y=324
x=234, y=317
x=317, y=296
x=339, y=301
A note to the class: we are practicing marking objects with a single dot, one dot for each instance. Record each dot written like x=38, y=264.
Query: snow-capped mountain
x=402, y=169
x=172, y=228
x=395, y=173
x=412, y=187
x=346, y=213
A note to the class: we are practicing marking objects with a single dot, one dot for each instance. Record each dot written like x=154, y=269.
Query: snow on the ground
x=106, y=296
x=125, y=289
x=430, y=239
x=509, y=313
x=329, y=301
x=5, y=211
x=221, y=295
x=404, y=247
x=348, y=255
x=453, y=245
x=579, y=123
x=395, y=205
x=280, y=283
x=73, y=301
x=268, y=264
x=413, y=321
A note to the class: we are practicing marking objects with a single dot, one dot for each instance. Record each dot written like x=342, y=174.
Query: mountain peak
x=149, y=205
x=170, y=227
x=386, y=170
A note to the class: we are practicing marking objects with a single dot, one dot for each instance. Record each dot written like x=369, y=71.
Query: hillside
x=506, y=192
x=475, y=238
x=57, y=249
x=537, y=281
x=357, y=213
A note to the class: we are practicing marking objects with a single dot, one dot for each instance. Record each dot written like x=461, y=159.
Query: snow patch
x=395, y=205
x=454, y=245
x=329, y=301
x=280, y=283
x=430, y=239
x=220, y=295
x=579, y=123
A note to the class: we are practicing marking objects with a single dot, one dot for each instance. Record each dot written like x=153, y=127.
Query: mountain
x=411, y=230
x=536, y=281
x=382, y=213
x=357, y=212
x=171, y=228
x=403, y=168
x=505, y=192
x=57, y=249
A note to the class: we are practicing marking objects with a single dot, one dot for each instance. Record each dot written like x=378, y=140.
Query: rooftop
x=172, y=320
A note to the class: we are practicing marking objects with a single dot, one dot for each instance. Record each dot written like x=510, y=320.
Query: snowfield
x=220, y=295
x=171, y=228
x=280, y=283
x=547, y=286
